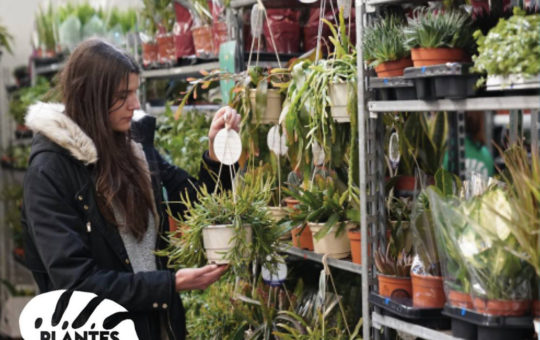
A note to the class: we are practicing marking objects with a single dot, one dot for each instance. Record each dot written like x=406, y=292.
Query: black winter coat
x=69, y=245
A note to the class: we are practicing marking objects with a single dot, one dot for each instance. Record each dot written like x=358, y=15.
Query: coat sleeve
x=58, y=230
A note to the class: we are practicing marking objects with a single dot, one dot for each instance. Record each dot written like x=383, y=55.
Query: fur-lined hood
x=50, y=120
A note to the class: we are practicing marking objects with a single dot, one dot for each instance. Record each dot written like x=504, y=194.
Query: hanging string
x=271, y=33
x=322, y=10
x=324, y=262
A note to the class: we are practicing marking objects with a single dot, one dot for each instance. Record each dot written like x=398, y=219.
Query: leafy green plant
x=384, y=40
x=326, y=201
x=246, y=206
x=184, y=139
x=12, y=196
x=202, y=11
x=6, y=39
x=26, y=96
x=430, y=29
x=46, y=26
x=511, y=47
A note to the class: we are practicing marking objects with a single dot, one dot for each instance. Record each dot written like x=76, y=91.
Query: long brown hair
x=92, y=76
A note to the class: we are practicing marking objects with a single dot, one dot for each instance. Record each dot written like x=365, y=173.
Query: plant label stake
x=393, y=150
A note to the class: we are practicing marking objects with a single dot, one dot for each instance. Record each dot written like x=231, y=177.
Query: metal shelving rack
x=371, y=160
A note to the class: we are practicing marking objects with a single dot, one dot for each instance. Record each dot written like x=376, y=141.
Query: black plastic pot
x=463, y=329
x=395, y=88
x=455, y=87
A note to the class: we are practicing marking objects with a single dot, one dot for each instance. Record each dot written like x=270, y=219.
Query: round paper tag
x=227, y=146
x=276, y=141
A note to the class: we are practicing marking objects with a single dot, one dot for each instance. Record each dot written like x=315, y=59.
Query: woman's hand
x=224, y=116
x=198, y=278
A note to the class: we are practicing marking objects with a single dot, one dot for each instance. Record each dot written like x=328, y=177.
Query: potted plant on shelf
x=45, y=24
x=202, y=27
x=324, y=208
x=148, y=35
x=384, y=46
x=164, y=16
x=226, y=227
x=509, y=53
x=393, y=272
x=438, y=37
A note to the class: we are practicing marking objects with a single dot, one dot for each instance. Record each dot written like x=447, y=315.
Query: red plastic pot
x=203, y=41
x=183, y=38
x=302, y=239
x=394, y=286
x=285, y=27
x=427, y=291
x=149, y=54
x=502, y=307
x=166, y=49
x=460, y=299
x=220, y=34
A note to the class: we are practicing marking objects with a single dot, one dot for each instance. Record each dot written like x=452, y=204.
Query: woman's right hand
x=198, y=278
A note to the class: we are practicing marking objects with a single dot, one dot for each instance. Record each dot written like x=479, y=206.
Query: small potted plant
x=148, y=35
x=384, y=46
x=202, y=28
x=226, y=227
x=438, y=37
x=324, y=209
x=393, y=272
x=508, y=42
x=45, y=24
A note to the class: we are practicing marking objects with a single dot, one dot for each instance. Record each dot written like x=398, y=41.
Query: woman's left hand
x=224, y=116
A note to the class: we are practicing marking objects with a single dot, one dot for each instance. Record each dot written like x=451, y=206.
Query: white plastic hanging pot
x=273, y=106
x=338, y=101
x=337, y=247
x=218, y=240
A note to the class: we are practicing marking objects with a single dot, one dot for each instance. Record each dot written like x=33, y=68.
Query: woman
x=93, y=212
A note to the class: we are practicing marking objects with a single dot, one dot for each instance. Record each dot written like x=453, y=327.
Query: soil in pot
x=435, y=56
x=395, y=287
x=502, y=307
x=427, y=291
x=336, y=247
x=392, y=68
x=218, y=239
x=459, y=299
x=302, y=239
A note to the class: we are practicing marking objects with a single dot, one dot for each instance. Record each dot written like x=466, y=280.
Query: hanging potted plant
x=384, y=47
x=227, y=227
x=324, y=208
x=438, y=37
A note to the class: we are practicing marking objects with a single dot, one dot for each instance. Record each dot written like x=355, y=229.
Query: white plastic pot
x=218, y=240
x=273, y=106
x=336, y=247
x=338, y=101
x=278, y=213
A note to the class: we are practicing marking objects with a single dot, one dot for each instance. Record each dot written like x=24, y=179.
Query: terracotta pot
x=536, y=308
x=435, y=56
x=203, y=41
x=502, y=307
x=427, y=291
x=460, y=299
x=405, y=183
x=166, y=49
x=149, y=54
x=337, y=247
x=291, y=202
x=393, y=68
x=273, y=106
x=394, y=286
x=303, y=239
x=220, y=34
x=355, y=237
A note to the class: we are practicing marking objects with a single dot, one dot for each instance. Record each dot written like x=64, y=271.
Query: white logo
x=74, y=315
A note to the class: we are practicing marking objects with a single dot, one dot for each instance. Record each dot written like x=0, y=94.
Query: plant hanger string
x=328, y=273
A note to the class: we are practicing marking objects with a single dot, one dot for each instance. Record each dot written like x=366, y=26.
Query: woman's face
x=125, y=102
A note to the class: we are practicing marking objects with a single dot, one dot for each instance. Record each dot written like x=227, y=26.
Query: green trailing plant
x=6, y=39
x=247, y=206
x=12, y=197
x=511, y=47
x=428, y=28
x=384, y=40
x=306, y=110
x=184, y=139
x=326, y=201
